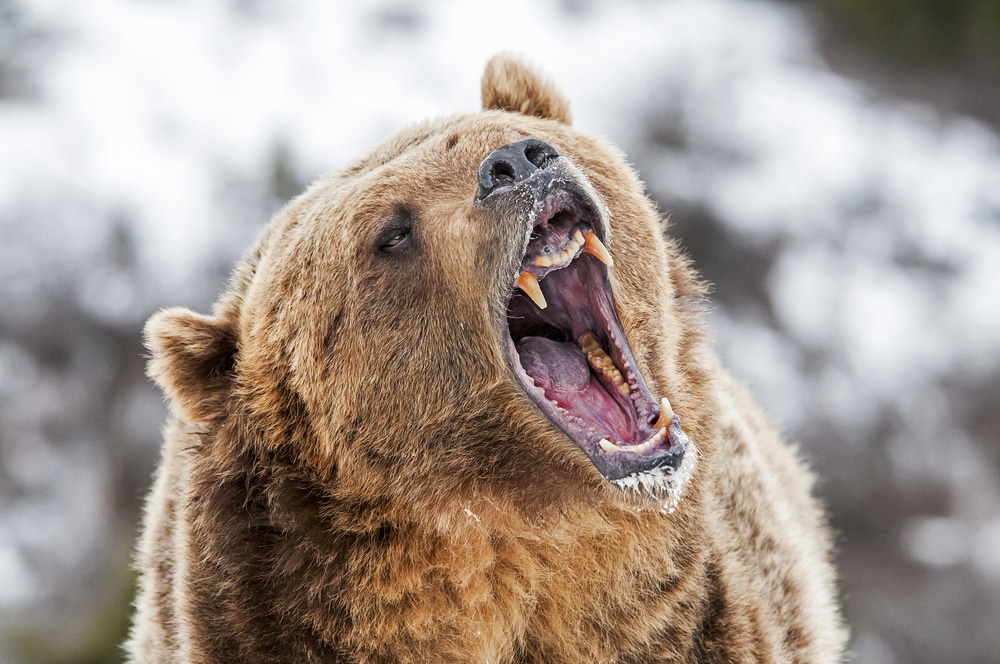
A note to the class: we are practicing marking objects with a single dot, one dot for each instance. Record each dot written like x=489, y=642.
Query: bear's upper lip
x=568, y=351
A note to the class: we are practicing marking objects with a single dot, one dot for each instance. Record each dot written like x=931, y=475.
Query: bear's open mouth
x=569, y=352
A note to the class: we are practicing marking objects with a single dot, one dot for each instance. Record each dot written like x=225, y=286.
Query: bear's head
x=485, y=305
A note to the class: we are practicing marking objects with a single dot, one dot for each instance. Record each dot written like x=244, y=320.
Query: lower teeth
x=602, y=362
x=645, y=446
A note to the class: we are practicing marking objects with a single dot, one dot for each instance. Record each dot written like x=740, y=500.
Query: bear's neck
x=361, y=575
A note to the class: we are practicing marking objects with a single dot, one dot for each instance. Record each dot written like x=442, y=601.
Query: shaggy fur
x=352, y=474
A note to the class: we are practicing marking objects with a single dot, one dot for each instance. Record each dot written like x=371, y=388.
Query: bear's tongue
x=560, y=367
x=562, y=371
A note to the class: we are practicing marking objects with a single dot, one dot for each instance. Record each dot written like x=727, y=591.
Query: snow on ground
x=145, y=159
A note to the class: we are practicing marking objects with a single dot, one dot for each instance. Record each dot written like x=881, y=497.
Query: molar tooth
x=623, y=389
x=527, y=282
x=666, y=414
x=588, y=342
x=578, y=238
x=596, y=248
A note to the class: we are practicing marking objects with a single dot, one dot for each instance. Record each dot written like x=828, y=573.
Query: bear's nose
x=513, y=163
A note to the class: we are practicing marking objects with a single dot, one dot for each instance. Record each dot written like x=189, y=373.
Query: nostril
x=502, y=174
x=511, y=164
x=538, y=156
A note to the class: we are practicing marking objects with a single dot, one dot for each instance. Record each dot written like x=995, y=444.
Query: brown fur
x=351, y=473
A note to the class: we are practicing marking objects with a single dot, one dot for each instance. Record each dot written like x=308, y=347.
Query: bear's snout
x=511, y=164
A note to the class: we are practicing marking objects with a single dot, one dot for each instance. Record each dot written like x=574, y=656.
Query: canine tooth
x=608, y=446
x=596, y=248
x=543, y=261
x=527, y=282
x=666, y=414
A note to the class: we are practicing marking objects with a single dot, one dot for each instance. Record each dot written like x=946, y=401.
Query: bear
x=457, y=404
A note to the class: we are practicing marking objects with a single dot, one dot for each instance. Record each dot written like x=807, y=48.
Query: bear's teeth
x=602, y=362
x=597, y=249
x=653, y=441
x=588, y=342
x=649, y=444
x=527, y=282
x=608, y=446
x=666, y=414
x=564, y=256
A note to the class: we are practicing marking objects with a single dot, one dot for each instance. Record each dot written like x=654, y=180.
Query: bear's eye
x=399, y=238
x=396, y=236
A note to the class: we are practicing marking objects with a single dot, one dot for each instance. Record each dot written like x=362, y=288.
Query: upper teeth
x=597, y=249
x=564, y=256
x=528, y=282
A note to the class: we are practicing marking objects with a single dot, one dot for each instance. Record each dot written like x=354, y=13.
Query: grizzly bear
x=457, y=405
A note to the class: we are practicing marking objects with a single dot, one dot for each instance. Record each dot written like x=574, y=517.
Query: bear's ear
x=511, y=85
x=192, y=361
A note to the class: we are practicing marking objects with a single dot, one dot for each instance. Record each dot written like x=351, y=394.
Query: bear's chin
x=569, y=353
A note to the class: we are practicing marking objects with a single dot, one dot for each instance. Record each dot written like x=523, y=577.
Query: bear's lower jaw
x=568, y=351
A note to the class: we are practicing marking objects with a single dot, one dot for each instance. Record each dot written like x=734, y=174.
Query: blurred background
x=833, y=166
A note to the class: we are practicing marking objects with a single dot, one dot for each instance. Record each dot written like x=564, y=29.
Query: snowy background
x=852, y=234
